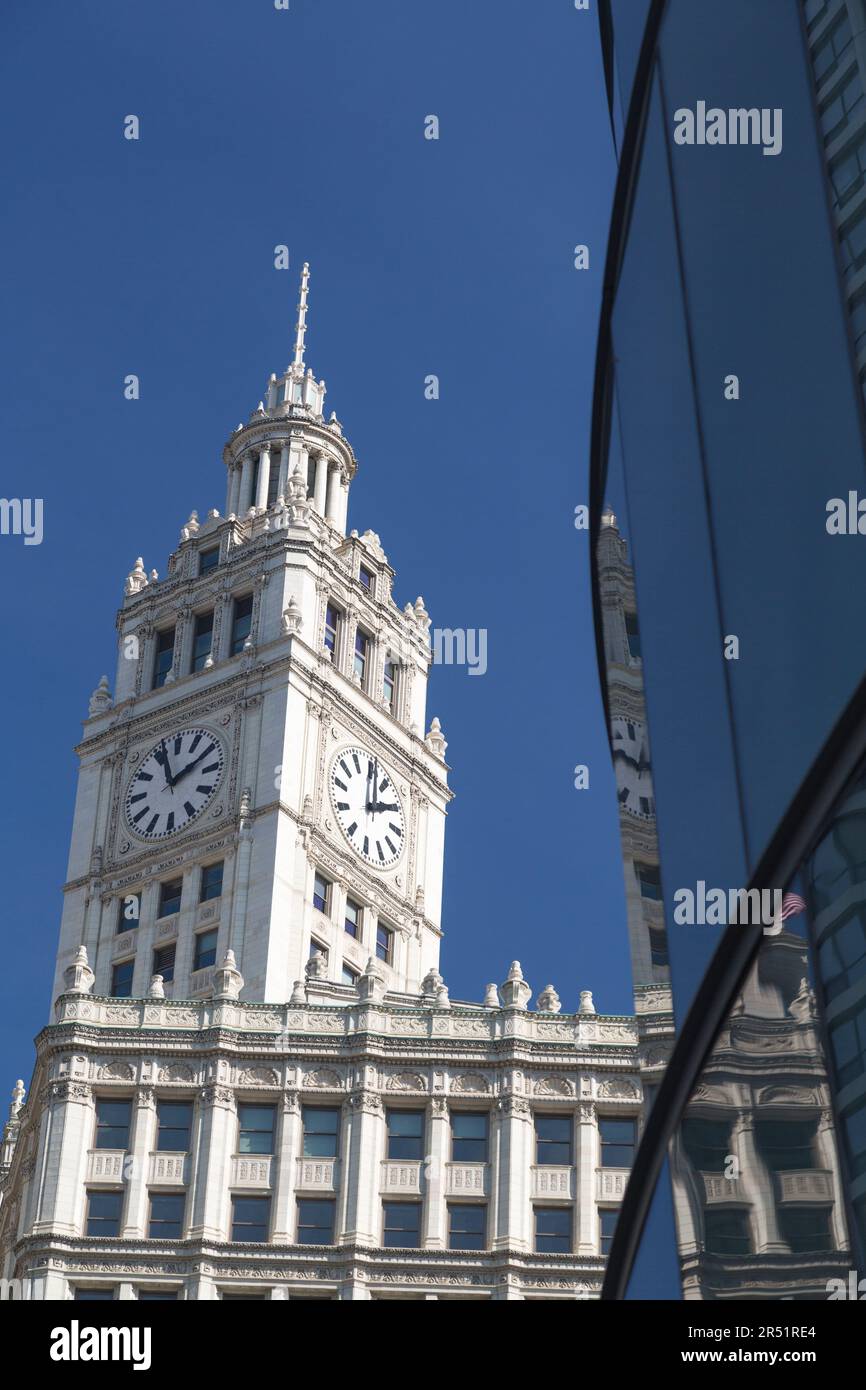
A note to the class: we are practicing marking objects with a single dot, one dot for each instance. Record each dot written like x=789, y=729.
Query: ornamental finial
x=301, y=325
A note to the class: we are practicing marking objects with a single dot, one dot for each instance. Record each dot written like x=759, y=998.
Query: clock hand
x=385, y=806
x=169, y=779
x=189, y=767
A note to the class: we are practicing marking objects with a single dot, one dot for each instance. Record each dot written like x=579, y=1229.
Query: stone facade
x=225, y=985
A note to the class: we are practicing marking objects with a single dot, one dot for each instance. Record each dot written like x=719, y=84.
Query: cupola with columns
x=287, y=444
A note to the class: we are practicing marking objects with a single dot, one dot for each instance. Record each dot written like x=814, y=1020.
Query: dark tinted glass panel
x=112, y=1124
x=316, y=1222
x=103, y=1213
x=321, y=1132
x=405, y=1134
x=467, y=1224
x=250, y=1218
x=166, y=1216
x=553, y=1230
x=402, y=1224
x=242, y=616
x=553, y=1139
x=121, y=979
x=173, y=1121
x=256, y=1129
x=469, y=1137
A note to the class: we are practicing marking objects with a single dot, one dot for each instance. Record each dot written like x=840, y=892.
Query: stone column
x=69, y=1137
x=435, y=1228
x=283, y=482
x=209, y=1218
x=234, y=490
x=183, y=642
x=364, y=1152
x=512, y=1177
x=588, y=1160
x=264, y=479
x=185, y=929
x=148, y=909
x=321, y=486
x=755, y=1183
x=288, y=1149
x=245, y=500
x=143, y=1139
x=343, y=518
x=332, y=504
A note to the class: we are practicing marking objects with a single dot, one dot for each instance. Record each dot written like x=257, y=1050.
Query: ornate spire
x=301, y=325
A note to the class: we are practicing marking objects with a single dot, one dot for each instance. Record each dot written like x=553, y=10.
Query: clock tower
x=260, y=783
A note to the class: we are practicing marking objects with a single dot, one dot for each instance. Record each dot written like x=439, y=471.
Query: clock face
x=368, y=807
x=632, y=766
x=174, y=783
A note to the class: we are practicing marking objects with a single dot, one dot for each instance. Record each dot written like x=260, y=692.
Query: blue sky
x=453, y=257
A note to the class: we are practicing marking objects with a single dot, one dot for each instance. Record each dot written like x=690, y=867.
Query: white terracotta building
x=254, y=1083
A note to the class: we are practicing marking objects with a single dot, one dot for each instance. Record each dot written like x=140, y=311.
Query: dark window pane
x=607, y=1225
x=121, y=979
x=553, y=1230
x=205, y=949
x=315, y=1222
x=402, y=1224
x=173, y=1124
x=166, y=1216
x=163, y=656
x=208, y=560
x=405, y=1133
x=553, y=1139
x=211, y=882
x=467, y=1226
x=242, y=617
x=256, y=1124
x=617, y=1142
x=103, y=1213
x=83, y=1295
x=163, y=962
x=321, y=1132
x=112, y=1124
x=468, y=1137
x=169, y=897
x=202, y=640
x=251, y=1218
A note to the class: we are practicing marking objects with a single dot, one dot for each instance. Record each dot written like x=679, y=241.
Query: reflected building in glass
x=728, y=414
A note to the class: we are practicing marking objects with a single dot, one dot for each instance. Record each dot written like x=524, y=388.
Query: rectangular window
x=389, y=684
x=317, y=949
x=163, y=962
x=274, y=478
x=208, y=560
x=315, y=1221
x=163, y=656
x=786, y=1145
x=553, y=1140
x=83, y=1295
x=211, y=882
x=202, y=640
x=468, y=1137
x=242, y=621
x=156, y=1296
x=384, y=942
x=362, y=649
x=205, y=949
x=806, y=1229
x=617, y=1142
x=401, y=1225
x=467, y=1226
x=169, y=897
x=322, y=893
x=256, y=1128
x=251, y=1218
x=366, y=579
x=632, y=633
x=166, y=1216
x=173, y=1125
x=103, y=1213
x=650, y=880
x=405, y=1133
x=607, y=1225
x=352, y=919
x=659, y=954
x=726, y=1231
x=348, y=976
x=121, y=979
x=707, y=1143
x=112, y=1124
x=553, y=1230
x=333, y=619
x=321, y=1131
x=128, y=912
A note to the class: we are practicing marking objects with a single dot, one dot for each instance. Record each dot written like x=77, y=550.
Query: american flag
x=792, y=905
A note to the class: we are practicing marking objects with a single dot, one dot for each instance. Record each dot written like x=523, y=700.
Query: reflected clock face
x=368, y=807
x=632, y=766
x=174, y=783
